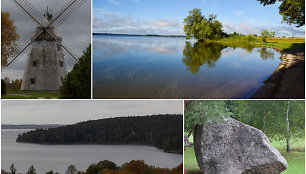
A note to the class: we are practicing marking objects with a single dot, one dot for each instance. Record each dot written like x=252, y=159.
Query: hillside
x=162, y=131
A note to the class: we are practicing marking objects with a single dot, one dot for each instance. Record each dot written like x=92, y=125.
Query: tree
x=9, y=38
x=31, y=170
x=265, y=34
x=201, y=111
x=12, y=169
x=77, y=83
x=135, y=166
x=293, y=11
x=280, y=120
x=200, y=27
x=71, y=169
x=3, y=87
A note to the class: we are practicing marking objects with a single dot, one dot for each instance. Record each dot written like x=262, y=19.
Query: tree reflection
x=201, y=53
x=266, y=53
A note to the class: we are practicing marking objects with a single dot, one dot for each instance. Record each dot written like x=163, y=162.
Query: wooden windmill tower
x=46, y=65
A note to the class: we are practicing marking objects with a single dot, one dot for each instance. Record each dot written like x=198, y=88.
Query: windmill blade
x=70, y=61
x=29, y=9
x=66, y=48
x=71, y=56
x=22, y=43
x=22, y=49
x=66, y=12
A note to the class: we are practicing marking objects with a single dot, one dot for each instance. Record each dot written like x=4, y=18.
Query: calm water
x=156, y=67
x=59, y=157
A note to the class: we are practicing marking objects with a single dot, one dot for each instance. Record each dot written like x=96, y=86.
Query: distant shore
x=139, y=35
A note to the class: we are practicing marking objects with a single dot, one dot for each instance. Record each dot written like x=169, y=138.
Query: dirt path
x=287, y=81
x=21, y=95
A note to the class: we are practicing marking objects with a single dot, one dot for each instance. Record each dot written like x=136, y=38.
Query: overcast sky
x=75, y=31
x=167, y=16
x=73, y=111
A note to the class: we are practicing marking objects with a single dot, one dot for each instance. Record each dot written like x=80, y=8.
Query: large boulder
x=231, y=147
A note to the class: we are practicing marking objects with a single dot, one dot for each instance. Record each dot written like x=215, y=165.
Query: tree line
x=162, y=131
x=208, y=28
x=109, y=167
x=280, y=120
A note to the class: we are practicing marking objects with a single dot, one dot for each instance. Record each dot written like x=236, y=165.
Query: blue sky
x=166, y=16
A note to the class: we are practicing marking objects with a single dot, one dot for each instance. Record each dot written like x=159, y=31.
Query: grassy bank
x=290, y=44
x=17, y=94
x=295, y=159
x=287, y=44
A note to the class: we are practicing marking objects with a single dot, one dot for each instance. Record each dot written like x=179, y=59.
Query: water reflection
x=266, y=53
x=201, y=53
x=152, y=67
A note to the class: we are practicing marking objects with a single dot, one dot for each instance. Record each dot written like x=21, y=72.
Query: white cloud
x=238, y=13
x=68, y=112
x=115, y=2
x=246, y=28
x=163, y=23
x=114, y=23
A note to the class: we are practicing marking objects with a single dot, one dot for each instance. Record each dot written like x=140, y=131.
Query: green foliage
x=31, y=170
x=202, y=111
x=239, y=38
x=162, y=131
x=201, y=53
x=200, y=27
x=77, y=83
x=270, y=116
x=293, y=11
x=265, y=34
x=96, y=168
x=3, y=87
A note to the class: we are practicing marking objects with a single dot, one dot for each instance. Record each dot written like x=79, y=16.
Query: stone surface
x=45, y=68
x=231, y=147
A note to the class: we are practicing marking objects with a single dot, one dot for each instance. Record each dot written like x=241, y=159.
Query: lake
x=59, y=157
x=163, y=67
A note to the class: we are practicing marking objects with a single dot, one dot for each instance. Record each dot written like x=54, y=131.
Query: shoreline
x=288, y=79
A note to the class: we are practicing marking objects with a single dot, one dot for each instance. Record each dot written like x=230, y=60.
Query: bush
x=96, y=168
x=3, y=87
x=77, y=83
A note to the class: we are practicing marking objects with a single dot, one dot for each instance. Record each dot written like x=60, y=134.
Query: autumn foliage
x=132, y=167
x=8, y=38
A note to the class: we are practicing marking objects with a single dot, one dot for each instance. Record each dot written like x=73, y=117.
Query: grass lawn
x=287, y=44
x=16, y=94
x=295, y=159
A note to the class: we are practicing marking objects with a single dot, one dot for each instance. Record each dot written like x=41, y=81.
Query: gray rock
x=231, y=147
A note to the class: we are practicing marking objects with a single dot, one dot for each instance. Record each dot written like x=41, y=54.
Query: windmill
x=46, y=61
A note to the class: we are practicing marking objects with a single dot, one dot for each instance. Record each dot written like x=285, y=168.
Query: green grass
x=284, y=44
x=31, y=95
x=295, y=159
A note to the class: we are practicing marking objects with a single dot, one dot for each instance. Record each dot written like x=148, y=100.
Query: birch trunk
x=288, y=126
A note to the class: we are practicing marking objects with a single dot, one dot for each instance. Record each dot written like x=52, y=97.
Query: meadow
x=295, y=159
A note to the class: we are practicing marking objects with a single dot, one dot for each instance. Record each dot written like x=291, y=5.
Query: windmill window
x=58, y=47
x=32, y=81
x=34, y=63
x=61, y=63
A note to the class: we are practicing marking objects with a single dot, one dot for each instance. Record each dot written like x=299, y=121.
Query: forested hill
x=162, y=131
